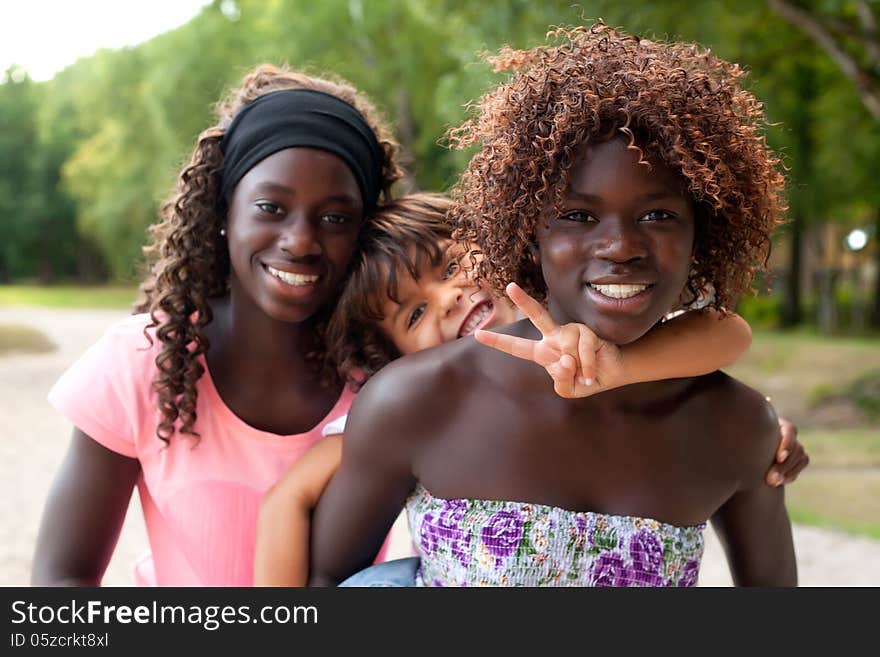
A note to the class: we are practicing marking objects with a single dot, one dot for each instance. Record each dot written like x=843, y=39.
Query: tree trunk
x=791, y=308
x=826, y=302
x=802, y=207
x=874, y=315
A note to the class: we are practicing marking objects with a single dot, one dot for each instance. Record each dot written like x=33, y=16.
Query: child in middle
x=410, y=289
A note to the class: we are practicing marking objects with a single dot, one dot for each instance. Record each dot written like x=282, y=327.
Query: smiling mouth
x=477, y=317
x=619, y=291
x=295, y=280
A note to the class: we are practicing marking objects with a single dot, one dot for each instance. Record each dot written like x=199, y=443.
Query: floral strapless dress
x=499, y=543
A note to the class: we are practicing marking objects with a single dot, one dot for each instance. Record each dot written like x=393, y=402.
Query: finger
x=787, y=472
x=587, y=343
x=532, y=309
x=509, y=344
x=794, y=469
x=563, y=373
x=774, y=477
x=788, y=439
x=566, y=340
x=794, y=454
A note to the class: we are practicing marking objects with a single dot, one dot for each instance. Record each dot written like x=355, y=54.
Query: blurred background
x=88, y=153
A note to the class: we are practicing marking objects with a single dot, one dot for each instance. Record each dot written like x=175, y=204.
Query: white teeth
x=292, y=279
x=618, y=291
x=477, y=317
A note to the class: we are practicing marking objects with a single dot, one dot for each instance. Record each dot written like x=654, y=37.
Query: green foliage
x=88, y=156
x=761, y=311
x=865, y=392
x=68, y=296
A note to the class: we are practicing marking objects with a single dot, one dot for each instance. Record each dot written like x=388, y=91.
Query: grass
x=841, y=487
x=796, y=368
x=68, y=296
x=842, y=448
x=841, y=499
x=23, y=339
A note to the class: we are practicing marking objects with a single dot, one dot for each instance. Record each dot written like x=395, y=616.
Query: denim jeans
x=397, y=573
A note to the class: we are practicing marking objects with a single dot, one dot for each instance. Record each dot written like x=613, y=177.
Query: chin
x=615, y=333
x=291, y=314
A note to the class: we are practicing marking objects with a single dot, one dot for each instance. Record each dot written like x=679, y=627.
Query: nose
x=300, y=237
x=448, y=296
x=620, y=241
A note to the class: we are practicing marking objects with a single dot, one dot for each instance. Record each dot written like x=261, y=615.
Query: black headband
x=302, y=117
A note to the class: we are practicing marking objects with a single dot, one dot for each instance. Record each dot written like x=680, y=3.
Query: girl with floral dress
x=617, y=178
x=411, y=289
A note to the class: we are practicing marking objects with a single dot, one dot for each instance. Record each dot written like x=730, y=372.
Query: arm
x=694, y=343
x=83, y=514
x=364, y=497
x=752, y=524
x=755, y=531
x=581, y=364
x=282, y=549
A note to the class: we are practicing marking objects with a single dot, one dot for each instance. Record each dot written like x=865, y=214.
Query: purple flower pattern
x=689, y=573
x=490, y=543
x=502, y=533
x=646, y=552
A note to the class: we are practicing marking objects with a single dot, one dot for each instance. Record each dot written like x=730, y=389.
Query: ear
x=534, y=254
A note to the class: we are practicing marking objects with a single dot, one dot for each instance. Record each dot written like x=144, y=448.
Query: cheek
x=558, y=252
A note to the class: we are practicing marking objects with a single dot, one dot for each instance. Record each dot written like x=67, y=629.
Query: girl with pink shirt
x=221, y=383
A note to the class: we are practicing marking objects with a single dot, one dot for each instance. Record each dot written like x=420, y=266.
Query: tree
x=848, y=33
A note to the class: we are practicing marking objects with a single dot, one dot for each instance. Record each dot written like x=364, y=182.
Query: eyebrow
x=644, y=198
x=276, y=187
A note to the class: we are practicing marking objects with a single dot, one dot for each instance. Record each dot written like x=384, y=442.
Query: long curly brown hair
x=402, y=237
x=678, y=106
x=190, y=257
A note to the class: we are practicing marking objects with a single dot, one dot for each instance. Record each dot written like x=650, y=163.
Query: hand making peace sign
x=579, y=362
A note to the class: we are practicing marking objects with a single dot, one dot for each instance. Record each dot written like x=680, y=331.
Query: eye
x=657, y=215
x=335, y=219
x=451, y=269
x=415, y=316
x=268, y=207
x=578, y=216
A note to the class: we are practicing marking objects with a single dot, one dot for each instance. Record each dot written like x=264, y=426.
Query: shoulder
x=132, y=334
x=107, y=392
x=412, y=377
x=745, y=422
x=127, y=347
x=418, y=390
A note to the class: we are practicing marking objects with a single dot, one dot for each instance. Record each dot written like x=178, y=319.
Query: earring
x=222, y=232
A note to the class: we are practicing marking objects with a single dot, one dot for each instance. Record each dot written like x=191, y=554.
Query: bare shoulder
x=418, y=390
x=744, y=422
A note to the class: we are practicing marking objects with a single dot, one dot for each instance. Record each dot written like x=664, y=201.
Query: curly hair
x=677, y=105
x=190, y=258
x=404, y=235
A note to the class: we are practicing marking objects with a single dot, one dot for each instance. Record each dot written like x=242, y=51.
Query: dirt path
x=33, y=438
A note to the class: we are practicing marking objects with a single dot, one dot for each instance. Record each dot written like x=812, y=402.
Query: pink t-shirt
x=200, y=497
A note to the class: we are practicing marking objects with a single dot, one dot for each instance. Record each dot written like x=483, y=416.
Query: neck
x=247, y=341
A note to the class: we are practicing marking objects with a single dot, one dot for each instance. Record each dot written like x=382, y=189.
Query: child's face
x=292, y=228
x=441, y=306
x=618, y=255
